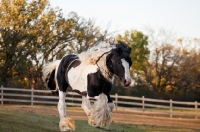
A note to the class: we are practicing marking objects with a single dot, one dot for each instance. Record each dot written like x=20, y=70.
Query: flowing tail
x=49, y=76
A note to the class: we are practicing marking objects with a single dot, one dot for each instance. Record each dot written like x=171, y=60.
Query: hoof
x=91, y=122
x=67, y=124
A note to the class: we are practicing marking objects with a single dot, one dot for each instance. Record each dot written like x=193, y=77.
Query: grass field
x=22, y=120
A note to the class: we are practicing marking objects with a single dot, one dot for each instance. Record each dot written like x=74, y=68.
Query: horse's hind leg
x=66, y=123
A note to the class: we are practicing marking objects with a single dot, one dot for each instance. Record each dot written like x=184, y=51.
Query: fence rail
x=141, y=105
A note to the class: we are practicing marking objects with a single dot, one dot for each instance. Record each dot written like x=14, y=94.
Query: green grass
x=27, y=122
x=23, y=121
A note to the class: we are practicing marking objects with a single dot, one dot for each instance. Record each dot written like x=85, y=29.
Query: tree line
x=33, y=33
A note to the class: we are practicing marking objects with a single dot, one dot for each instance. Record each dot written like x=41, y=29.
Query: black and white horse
x=89, y=74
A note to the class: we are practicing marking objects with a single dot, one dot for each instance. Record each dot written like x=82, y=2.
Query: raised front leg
x=86, y=106
x=97, y=110
x=66, y=124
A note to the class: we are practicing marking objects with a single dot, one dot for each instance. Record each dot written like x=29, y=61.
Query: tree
x=160, y=70
x=17, y=31
x=172, y=71
x=86, y=36
x=186, y=79
x=32, y=33
x=162, y=61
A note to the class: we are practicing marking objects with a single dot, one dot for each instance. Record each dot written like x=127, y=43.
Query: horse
x=90, y=74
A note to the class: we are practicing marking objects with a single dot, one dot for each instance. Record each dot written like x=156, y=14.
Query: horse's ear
x=125, y=47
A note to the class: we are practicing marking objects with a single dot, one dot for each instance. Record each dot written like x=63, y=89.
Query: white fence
x=142, y=105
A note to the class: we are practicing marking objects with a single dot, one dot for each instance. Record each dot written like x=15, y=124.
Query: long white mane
x=91, y=56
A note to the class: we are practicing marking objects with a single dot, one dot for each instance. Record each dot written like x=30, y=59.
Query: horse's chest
x=77, y=76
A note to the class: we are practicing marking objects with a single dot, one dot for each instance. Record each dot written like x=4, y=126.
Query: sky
x=180, y=16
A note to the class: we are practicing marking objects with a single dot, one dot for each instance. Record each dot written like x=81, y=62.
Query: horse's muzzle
x=127, y=82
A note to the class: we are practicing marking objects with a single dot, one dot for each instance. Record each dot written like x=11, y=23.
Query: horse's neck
x=103, y=68
x=92, y=55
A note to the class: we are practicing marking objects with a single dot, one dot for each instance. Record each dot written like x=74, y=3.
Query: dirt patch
x=128, y=117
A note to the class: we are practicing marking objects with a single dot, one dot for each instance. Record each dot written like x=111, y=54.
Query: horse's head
x=119, y=62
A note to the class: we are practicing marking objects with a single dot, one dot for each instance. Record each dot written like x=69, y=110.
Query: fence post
x=143, y=104
x=116, y=100
x=31, y=96
x=1, y=94
x=196, y=107
x=171, y=108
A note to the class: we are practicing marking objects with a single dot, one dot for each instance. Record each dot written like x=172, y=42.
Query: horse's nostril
x=127, y=82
